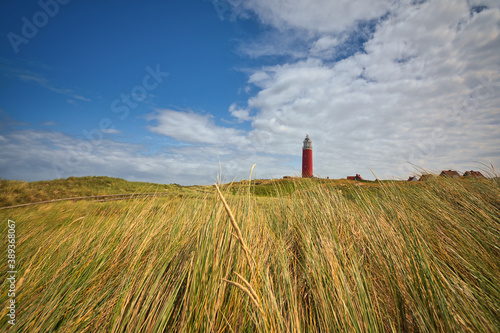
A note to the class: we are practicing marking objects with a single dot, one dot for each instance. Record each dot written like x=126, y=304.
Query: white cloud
x=81, y=98
x=325, y=46
x=192, y=127
x=292, y=44
x=48, y=123
x=238, y=113
x=111, y=131
x=312, y=15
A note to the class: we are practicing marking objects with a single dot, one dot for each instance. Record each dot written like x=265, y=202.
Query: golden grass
x=394, y=257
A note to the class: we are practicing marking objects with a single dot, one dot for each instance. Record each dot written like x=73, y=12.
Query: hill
x=14, y=192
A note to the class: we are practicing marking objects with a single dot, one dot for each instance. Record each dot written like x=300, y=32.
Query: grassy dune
x=14, y=192
x=311, y=257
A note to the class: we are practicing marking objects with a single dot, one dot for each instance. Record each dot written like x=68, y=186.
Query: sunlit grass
x=18, y=192
x=395, y=256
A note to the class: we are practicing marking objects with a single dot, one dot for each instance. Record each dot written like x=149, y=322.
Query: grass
x=309, y=256
x=19, y=192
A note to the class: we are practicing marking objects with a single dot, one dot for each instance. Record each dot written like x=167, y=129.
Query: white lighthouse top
x=307, y=143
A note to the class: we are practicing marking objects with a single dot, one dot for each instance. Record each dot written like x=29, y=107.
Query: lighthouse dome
x=307, y=143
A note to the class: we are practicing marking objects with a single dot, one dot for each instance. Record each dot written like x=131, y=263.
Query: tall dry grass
x=400, y=257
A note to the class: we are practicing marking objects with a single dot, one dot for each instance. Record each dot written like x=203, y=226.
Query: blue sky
x=177, y=92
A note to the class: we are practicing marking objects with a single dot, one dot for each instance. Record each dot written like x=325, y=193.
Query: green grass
x=18, y=192
x=325, y=256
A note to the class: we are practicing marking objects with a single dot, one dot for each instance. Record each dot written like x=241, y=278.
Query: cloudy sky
x=178, y=91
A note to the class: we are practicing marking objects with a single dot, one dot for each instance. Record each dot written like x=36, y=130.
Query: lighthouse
x=307, y=158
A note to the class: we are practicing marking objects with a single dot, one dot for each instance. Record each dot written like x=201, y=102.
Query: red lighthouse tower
x=307, y=158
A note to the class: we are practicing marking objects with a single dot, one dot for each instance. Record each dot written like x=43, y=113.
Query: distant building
x=357, y=177
x=449, y=174
x=425, y=177
x=473, y=173
x=412, y=179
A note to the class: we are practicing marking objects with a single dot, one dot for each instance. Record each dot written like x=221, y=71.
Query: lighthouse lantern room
x=307, y=158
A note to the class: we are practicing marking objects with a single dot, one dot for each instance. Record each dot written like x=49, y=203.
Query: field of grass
x=299, y=256
x=19, y=192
